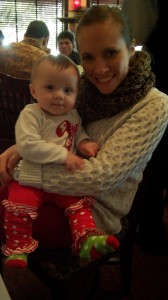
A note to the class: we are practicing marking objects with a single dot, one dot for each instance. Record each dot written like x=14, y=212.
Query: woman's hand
x=8, y=161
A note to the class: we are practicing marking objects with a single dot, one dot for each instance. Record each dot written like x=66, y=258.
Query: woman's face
x=104, y=55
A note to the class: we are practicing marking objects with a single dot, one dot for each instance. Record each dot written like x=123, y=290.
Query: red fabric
x=51, y=228
x=19, y=232
x=26, y=201
x=22, y=207
x=81, y=222
x=26, y=198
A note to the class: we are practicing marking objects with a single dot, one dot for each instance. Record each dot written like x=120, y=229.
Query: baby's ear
x=32, y=90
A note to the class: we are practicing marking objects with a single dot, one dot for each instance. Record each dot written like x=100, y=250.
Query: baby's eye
x=49, y=87
x=68, y=91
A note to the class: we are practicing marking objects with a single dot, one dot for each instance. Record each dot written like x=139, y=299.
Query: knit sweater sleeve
x=124, y=152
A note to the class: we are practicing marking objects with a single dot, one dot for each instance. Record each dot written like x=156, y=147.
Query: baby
x=50, y=131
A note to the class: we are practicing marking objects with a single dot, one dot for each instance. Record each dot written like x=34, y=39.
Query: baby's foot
x=18, y=261
x=96, y=246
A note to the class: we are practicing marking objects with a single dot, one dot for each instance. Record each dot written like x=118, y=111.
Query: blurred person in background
x=17, y=58
x=2, y=37
x=66, y=45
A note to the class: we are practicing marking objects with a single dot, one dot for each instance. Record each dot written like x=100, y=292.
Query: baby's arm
x=74, y=162
x=84, y=145
x=88, y=148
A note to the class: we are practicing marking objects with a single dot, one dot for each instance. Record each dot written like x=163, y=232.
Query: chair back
x=14, y=95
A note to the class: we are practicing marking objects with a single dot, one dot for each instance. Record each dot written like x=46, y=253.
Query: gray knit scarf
x=93, y=105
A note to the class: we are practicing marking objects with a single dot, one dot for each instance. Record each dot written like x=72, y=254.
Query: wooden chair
x=14, y=95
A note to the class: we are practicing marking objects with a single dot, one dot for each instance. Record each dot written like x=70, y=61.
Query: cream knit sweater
x=127, y=142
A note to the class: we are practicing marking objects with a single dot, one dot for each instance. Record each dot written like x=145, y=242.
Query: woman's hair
x=61, y=61
x=37, y=29
x=99, y=14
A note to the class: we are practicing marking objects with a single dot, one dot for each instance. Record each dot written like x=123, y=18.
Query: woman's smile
x=106, y=84
x=105, y=79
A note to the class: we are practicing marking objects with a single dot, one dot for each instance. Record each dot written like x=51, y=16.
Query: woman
x=120, y=110
x=1, y=38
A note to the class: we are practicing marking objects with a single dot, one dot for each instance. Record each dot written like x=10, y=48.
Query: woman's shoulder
x=153, y=107
x=154, y=104
x=158, y=92
x=157, y=96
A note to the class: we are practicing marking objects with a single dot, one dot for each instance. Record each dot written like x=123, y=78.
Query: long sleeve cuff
x=28, y=173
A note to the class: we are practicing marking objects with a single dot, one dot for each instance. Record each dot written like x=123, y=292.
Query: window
x=15, y=16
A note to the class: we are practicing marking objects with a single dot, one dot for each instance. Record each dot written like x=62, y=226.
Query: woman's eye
x=87, y=57
x=111, y=53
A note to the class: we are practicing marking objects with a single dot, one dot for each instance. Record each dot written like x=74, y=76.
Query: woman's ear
x=132, y=47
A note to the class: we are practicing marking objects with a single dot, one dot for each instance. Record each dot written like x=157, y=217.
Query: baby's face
x=54, y=89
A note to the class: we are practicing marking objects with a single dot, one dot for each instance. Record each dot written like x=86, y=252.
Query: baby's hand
x=88, y=148
x=74, y=162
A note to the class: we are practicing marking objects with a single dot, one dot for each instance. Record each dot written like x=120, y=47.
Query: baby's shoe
x=18, y=261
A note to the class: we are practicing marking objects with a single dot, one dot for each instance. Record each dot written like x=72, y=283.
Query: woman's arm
x=122, y=157
x=8, y=161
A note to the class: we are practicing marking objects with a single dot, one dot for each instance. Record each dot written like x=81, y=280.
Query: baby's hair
x=61, y=61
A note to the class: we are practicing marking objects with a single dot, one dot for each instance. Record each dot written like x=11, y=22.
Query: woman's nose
x=100, y=67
